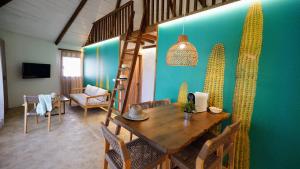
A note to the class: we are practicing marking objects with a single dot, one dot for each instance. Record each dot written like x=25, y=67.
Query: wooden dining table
x=167, y=130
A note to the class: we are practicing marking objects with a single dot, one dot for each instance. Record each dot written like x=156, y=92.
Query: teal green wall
x=108, y=55
x=275, y=130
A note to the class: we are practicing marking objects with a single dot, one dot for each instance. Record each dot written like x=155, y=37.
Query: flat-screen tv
x=35, y=70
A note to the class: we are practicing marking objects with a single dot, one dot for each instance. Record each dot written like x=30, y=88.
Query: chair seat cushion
x=33, y=112
x=81, y=99
x=142, y=155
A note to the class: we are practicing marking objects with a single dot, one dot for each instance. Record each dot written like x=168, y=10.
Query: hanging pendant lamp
x=183, y=53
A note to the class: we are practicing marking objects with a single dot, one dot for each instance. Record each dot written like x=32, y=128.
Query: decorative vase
x=187, y=116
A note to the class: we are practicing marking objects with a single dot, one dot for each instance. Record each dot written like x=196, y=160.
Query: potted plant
x=188, y=110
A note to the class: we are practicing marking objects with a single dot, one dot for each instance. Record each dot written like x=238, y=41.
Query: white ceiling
x=45, y=19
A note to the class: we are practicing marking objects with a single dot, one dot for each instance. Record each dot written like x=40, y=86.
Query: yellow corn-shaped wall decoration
x=101, y=74
x=182, y=94
x=214, y=80
x=97, y=66
x=107, y=82
x=246, y=76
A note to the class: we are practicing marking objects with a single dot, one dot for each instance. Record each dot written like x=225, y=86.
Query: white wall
x=148, y=74
x=19, y=49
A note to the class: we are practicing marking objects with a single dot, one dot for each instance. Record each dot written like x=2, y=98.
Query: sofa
x=90, y=97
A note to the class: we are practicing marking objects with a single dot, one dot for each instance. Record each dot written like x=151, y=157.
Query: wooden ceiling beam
x=4, y=2
x=173, y=7
x=70, y=21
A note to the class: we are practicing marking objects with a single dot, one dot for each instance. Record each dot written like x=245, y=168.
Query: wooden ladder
x=133, y=54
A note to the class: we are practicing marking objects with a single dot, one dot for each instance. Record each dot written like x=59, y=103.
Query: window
x=71, y=67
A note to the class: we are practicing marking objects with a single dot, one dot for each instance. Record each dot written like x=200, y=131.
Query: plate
x=141, y=118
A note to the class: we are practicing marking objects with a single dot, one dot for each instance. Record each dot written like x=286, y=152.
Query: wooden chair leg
x=131, y=135
x=25, y=123
x=36, y=119
x=231, y=159
x=105, y=165
x=167, y=163
x=59, y=114
x=70, y=102
x=85, y=115
x=49, y=121
x=106, y=149
x=161, y=166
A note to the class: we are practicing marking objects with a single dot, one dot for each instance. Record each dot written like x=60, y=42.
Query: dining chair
x=151, y=104
x=136, y=154
x=144, y=105
x=229, y=146
x=157, y=103
x=30, y=102
x=208, y=153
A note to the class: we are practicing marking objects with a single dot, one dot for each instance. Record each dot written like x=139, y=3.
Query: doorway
x=143, y=81
x=148, y=74
x=134, y=96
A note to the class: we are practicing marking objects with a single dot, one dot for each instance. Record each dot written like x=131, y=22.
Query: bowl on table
x=215, y=109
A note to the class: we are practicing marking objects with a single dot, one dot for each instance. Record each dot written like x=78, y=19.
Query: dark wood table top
x=166, y=128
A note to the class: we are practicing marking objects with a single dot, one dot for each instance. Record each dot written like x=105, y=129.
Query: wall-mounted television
x=35, y=70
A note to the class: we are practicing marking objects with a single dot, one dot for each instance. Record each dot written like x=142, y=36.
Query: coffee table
x=63, y=100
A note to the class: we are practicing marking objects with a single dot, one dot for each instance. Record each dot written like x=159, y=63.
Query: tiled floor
x=72, y=144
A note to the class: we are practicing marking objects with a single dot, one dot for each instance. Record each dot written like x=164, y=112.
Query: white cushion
x=91, y=90
x=94, y=91
x=81, y=99
x=101, y=91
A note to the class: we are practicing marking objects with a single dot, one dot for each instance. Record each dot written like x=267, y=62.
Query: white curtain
x=71, y=71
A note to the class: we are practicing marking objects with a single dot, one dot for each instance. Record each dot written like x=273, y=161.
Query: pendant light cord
x=183, y=24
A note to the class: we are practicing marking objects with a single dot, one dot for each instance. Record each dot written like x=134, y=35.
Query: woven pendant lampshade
x=183, y=53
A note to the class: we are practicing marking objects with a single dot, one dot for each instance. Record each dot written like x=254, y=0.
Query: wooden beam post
x=70, y=21
x=172, y=6
x=118, y=4
x=4, y=2
x=213, y=2
x=203, y=3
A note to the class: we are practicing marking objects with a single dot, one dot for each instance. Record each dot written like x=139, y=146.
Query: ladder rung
x=128, y=53
x=116, y=89
x=130, y=50
x=122, y=79
x=132, y=41
x=124, y=68
x=126, y=59
x=132, y=38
